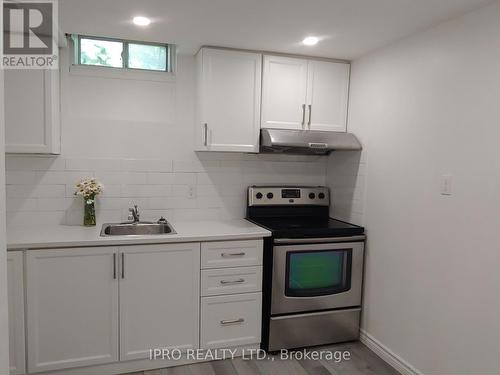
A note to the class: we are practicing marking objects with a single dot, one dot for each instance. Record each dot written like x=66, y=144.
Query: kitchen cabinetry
x=15, y=289
x=106, y=307
x=304, y=94
x=231, y=287
x=72, y=307
x=228, y=100
x=32, y=111
x=159, y=298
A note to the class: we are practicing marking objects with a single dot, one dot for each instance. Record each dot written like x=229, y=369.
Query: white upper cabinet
x=304, y=94
x=284, y=93
x=32, y=111
x=159, y=298
x=327, y=95
x=229, y=96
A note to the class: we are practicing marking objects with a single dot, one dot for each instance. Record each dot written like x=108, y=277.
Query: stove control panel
x=288, y=195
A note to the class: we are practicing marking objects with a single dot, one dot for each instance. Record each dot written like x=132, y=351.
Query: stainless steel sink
x=136, y=229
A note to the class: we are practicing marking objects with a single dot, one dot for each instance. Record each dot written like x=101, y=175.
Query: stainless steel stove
x=313, y=268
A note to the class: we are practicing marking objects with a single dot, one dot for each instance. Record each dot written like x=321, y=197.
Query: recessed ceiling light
x=141, y=21
x=310, y=41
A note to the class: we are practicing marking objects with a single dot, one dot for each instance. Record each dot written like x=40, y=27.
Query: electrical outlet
x=191, y=192
x=446, y=184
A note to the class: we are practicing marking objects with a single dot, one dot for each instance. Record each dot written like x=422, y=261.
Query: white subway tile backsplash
x=134, y=178
x=146, y=190
x=21, y=204
x=184, y=179
x=20, y=178
x=93, y=164
x=140, y=165
x=45, y=187
x=160, y=178
x=34, y=163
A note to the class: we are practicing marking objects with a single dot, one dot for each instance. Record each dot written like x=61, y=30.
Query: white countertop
x=39, y=237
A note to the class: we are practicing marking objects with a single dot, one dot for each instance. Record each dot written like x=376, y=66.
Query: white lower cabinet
x=231, y=286
x=159, y=298
x=231, y=320
x=72, y=308
x=15, y=289
x=110, y=305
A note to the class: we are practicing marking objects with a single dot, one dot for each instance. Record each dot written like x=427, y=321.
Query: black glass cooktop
x=307, y=227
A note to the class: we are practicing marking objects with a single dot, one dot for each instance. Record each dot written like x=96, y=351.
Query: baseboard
x=403, y=367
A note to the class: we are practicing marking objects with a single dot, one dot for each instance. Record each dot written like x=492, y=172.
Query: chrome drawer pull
x=232, y=254
x=233, y=321
x=232, y=281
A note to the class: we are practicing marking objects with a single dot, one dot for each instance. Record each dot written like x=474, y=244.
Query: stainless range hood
x=306, y=142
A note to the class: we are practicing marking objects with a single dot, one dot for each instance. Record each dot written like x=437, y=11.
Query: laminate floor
x=362, y=362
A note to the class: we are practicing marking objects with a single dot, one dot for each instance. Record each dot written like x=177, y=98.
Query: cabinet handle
x=123, y=265
x=232, y=321
x=114, y=265
x=224, y=255
x=205, y=143
x=303, y=114
x=232, y=281
x=310, y=111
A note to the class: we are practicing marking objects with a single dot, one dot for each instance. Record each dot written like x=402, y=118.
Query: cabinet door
x=15, y=288
x=32, y=111
x=159, y=298
x=72, y=308
x=327, y=94
x=284, y=92
x=229, y=118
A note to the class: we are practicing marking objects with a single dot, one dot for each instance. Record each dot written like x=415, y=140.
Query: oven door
x=319, y=276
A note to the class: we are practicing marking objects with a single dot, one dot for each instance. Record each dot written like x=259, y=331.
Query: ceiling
x=347, y=28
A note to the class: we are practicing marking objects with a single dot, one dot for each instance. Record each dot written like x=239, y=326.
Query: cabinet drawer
x=231, y=280
x=230, y=320
x=231, y=254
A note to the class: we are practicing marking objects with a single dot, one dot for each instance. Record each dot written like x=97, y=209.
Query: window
x=117, y=53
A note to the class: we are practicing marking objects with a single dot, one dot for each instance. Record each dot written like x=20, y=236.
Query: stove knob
x=270, y=195
x=321, y=195
x=312, y=195
x=258, y=195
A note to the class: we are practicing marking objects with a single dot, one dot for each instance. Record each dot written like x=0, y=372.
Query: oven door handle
x=283, y=241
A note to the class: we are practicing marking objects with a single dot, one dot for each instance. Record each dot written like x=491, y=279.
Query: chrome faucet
x=135, y=214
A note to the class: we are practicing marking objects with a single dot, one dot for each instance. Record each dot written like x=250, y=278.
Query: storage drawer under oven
x=320, y=328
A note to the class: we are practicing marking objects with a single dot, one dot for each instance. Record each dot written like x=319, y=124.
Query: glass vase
x=89, y=212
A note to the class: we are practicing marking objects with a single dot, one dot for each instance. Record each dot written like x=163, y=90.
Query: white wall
x=423, y=107
x=4, y=329
x=135, y=133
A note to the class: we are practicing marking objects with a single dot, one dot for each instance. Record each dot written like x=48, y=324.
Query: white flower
x=88, y=187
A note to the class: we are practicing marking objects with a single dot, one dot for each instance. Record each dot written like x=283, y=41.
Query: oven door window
x=318, y=273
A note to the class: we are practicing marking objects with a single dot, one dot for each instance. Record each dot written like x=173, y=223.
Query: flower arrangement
x=89, y=188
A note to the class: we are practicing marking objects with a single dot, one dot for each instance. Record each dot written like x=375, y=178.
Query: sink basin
x=136, y=229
